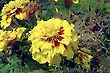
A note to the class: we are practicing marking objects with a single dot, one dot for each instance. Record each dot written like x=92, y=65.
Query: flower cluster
x=83, y=58
x=8, y=37
x=13, y=8
x=53, y=38
x=50, y=39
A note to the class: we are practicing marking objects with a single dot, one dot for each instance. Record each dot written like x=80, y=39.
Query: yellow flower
x=13, y=8
x=8, y=37
x=52, y=38
x=75, y=1
x=82, y=57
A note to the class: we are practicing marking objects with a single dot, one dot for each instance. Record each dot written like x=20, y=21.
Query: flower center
x=56, y=38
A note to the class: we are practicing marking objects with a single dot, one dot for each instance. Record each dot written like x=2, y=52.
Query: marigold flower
x=6, y=37
x=52, y=38
x=82, y=58
x=31, y=8
x=13, y=8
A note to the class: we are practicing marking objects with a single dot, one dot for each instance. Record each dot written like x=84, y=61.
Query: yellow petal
x=68, y=53
x=3, y=45
x=56, y=60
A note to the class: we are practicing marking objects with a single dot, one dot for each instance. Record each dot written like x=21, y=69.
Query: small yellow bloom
x=56, y=0
x=52, y=38
x=82, y=58
x=13, y=8
x=6, y=37
x=75, y=1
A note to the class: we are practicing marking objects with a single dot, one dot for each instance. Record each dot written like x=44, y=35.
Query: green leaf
x=5, y=69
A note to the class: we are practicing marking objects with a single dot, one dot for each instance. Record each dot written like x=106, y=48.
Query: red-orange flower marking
x=55, y=39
